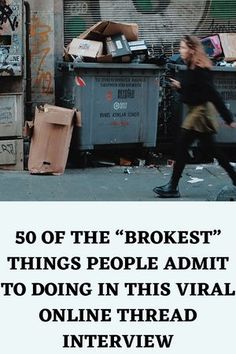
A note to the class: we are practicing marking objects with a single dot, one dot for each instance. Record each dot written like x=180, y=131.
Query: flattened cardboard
x=85, y=48
x=103, y=29
x=130, y=30
x=28, y=128
x=57, y=115
x=109, y=28
x=50, y=141
x=228, y=44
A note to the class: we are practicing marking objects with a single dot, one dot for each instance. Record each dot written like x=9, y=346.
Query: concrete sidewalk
x=201, y=182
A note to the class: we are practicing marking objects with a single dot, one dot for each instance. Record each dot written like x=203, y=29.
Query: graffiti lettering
x=79, y=8
x=6, y=116
x=146, y=7
x=221, y=28
x=41, y=49
x=158, y=20
x=6, y=15
x=9, y=148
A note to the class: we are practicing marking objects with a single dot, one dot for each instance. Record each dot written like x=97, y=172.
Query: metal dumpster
x=225, y=83
x=118, y=102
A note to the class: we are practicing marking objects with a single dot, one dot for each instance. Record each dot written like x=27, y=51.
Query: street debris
x=195, y=180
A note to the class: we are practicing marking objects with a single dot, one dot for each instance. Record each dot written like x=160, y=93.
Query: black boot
x=234, y=180
x=169, y=190
x=223, y=162
x=232, y=174
x=160, y=188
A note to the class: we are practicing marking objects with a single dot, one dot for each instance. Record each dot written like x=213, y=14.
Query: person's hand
x=175, y=84
x=233, y=125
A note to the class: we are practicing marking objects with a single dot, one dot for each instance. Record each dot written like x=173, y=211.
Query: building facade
x=161, y=23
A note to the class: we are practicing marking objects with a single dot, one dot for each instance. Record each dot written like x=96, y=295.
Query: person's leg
x=170, y=189
x=208, y=143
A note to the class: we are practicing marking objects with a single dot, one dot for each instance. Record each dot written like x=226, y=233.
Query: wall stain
x=40, y=50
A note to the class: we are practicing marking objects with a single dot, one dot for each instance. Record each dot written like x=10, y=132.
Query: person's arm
x=175, y=84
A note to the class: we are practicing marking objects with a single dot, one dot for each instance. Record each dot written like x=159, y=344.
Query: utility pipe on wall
x=28, y=101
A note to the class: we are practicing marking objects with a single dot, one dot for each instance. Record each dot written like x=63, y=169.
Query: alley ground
x=201, y=182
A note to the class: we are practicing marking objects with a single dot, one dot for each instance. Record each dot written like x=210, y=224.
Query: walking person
x=197, y=91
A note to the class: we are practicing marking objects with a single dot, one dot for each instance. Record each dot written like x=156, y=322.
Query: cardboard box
x=117, y=45
x=228, y=44
x=50, y=140
x=28, y=129
x=104, y=29
x=85, y=48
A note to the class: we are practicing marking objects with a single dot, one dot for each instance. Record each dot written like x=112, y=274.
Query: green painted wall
x=223, y=9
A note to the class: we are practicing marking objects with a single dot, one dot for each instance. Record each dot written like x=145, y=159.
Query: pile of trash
x=221, y=48
x=109, y=41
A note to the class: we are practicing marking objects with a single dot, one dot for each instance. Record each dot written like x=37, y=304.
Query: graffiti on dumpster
x=40, y=34
x=8, y=14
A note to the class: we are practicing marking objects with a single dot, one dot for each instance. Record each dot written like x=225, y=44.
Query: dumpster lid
x=214, y=68
x=86, y=65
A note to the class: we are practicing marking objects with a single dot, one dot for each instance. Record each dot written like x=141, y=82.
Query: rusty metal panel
x=11, y=115
x=11, y=154
x=11, y=37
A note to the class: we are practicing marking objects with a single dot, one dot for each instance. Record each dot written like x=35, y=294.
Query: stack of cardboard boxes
x=107, y=41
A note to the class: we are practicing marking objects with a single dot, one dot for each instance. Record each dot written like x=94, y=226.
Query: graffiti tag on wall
x=7, y=148
x=40, y=50
x=167, y=18
x=10, y=38
x=160, y=21
x=10, y=64
x=7, y=15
